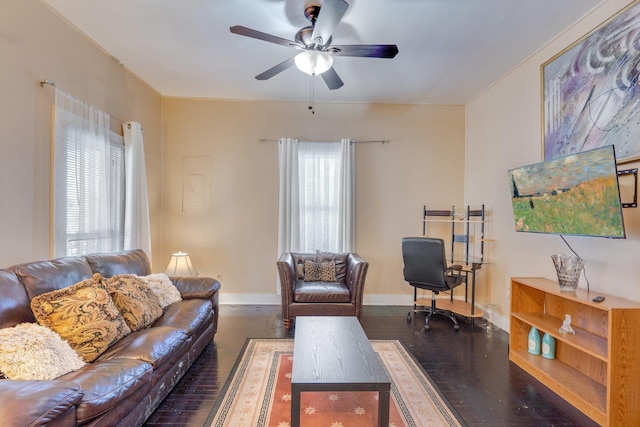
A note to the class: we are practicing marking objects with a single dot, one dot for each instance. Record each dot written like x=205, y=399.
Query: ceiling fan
x=314, y=42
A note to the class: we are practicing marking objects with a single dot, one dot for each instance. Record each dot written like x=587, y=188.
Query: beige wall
x=235, y=237
x=503, y=131
x=437, y=155
x=36, y=44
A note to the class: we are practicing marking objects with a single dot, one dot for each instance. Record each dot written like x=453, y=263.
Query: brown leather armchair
x=301, y=297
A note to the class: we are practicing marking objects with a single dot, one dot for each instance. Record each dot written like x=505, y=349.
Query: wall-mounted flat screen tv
x=573, y=195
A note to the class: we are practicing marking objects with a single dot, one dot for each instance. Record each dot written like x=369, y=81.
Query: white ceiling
x=449, y=50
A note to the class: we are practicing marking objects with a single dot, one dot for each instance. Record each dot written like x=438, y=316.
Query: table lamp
x=180, y=266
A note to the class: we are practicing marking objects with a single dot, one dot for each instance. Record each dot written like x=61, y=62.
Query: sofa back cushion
x=341, y=261
x=128, y=262
x=14, y=301
x=298, y=263
x=46, y=276
x=21, y=283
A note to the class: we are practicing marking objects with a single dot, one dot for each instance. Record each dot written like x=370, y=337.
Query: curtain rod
x=379, y=141
x=48, y=82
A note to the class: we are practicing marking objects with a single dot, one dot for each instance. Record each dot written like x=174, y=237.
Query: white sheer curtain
x=317, y=196
x=137, y=231
x=87, y=191
x=289, y=205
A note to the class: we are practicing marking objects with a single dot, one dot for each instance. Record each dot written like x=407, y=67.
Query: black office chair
x=425, y=267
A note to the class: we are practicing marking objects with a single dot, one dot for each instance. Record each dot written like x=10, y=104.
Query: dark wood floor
x=471, y=367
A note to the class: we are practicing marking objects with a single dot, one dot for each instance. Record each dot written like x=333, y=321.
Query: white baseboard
x=377, y=299
x=272, y=299
x=250, y=299
x=390, y=299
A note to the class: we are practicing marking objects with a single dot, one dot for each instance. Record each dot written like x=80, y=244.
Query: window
x=319, y=169
x=89, y=228
x=88, y=181
x=316, y=196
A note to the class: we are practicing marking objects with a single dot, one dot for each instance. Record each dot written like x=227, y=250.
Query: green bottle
x=533, y=343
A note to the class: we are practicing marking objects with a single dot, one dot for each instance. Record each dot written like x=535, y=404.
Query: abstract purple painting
x=591, y=96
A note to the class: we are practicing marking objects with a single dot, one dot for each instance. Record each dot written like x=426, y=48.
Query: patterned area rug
x=258, y=393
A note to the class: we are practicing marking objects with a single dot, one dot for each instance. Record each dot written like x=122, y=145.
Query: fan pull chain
x=312, y=95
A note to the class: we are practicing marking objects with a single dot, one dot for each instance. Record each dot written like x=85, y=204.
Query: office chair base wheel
x=456, y=328
x=409, y=317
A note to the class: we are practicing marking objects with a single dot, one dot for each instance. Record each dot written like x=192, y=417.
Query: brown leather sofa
x=124, y=385
x=321, y=298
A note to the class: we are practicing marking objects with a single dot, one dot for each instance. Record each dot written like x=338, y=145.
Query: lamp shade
x=180, y=266
x=313, y=62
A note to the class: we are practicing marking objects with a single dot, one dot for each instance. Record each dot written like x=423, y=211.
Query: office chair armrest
x=454, y=276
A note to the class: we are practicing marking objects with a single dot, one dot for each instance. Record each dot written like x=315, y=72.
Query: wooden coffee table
x=334, y=354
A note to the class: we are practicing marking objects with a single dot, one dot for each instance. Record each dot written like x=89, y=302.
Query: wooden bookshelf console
x=597, y=370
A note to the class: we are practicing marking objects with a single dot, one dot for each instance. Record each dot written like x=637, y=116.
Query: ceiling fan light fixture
x=313, y=62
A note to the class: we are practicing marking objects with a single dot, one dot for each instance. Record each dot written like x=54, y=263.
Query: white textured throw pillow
x=163, y=288
x=29, y=351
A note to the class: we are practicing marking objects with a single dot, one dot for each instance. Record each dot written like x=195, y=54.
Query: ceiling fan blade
x=330, y=14
x=275, y=70
x=244, y=31
x=365, y=50
x=332, y=79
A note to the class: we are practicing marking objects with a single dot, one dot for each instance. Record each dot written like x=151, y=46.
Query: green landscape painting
x=573, y=195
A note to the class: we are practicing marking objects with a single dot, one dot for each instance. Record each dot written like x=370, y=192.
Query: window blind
x=86, y=231
x=88, y=181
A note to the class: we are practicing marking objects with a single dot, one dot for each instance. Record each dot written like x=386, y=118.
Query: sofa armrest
x=39, y=403
x=357, y=269
x=196, y=287
x=287, y=277
x=200, y=287
x=286, y=273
